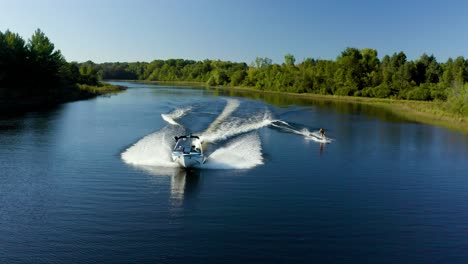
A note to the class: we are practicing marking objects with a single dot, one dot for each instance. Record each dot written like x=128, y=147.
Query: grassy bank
x=101, y=88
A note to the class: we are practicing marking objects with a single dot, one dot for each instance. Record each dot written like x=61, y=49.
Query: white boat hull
x=187, y=160
x=188, y=151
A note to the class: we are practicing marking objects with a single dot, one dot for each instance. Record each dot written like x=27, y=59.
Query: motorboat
x=188, y=151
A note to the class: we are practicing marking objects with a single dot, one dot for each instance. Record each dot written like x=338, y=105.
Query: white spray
x=153, y=150
x=242, y=153
x=176, y=114
x=230, y=107
x=236, y=126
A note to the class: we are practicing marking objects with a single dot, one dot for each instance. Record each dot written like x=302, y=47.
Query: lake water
x=92, y=182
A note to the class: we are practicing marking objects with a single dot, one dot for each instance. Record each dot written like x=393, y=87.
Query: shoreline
x=172, y=83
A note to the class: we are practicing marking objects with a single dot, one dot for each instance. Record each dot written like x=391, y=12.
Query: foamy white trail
x=242, y=153
x=176, y=114
x=309, y=135
x=288, y=128
x=236, y=126
x=230, y=107
x=153, y=150
x=317, y=137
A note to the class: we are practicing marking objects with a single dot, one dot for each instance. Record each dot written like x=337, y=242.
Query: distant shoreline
x=427, y=112
x=184, y=83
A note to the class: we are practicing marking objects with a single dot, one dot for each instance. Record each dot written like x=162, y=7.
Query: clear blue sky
x=240, y=30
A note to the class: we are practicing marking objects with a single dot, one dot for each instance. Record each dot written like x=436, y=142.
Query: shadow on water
x=25, y=112
x=183, y=182
x=37, y=121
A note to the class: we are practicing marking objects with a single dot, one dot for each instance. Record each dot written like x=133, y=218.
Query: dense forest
x=35, y=73
x=355, y=72
x=36, y=69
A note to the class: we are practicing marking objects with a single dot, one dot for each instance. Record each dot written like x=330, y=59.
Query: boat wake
x=235, y=126
x=288, y=128
x=230, y=107
x=176, y=114
x=154, y=149
x=313, y=135
x=234, y=140
x=244, y=152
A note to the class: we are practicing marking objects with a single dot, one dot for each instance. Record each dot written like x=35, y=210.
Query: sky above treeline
x=240, y=30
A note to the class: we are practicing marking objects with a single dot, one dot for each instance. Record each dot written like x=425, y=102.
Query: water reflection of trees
x=284, y=100
x=38, y=121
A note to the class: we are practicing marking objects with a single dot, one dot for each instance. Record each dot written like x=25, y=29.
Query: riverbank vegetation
x=355, y=72
x=34, y=74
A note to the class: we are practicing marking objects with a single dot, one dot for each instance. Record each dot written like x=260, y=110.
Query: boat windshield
x=187, y=145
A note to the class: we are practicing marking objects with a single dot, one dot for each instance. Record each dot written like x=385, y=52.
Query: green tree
x=427, y=70
x=89, y=74
x=460, y=70
x=370, y=65
x=262, y=62
x=13, y=59
x=289, y=60
x=44, y=60
x=448, y=75
x=349, y=74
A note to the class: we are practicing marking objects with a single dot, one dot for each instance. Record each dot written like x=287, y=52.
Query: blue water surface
x=385, y=190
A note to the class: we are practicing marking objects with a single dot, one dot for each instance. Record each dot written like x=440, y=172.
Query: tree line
x=35, y=69
x=355, y=72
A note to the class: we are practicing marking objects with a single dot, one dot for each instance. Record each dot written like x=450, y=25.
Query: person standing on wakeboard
x=322, y=132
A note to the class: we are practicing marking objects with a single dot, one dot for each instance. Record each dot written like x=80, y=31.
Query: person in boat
x=322, y=132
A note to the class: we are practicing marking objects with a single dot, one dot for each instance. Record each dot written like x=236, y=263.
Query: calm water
x=91, y=182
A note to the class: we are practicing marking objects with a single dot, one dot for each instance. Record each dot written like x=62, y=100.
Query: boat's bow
x=188, y=151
